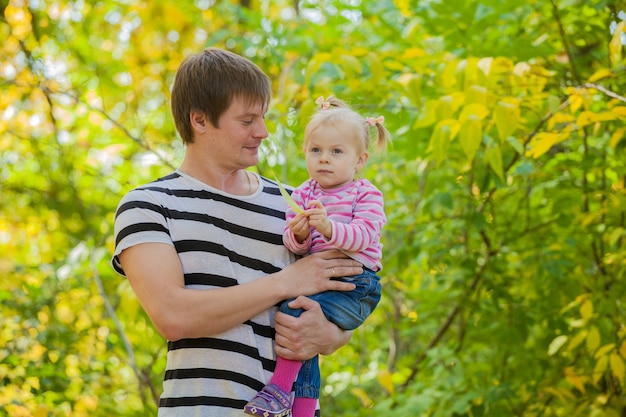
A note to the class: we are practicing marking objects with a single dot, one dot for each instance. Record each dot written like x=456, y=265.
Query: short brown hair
x=209, y=80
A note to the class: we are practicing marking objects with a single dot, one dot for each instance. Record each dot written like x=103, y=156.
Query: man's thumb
x=302, y=302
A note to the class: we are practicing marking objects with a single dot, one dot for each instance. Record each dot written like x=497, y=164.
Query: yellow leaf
x=593, y=340
x=477, y=94
x=600, y=74
x=577, y=340
x=507, y=116
x=443, y=134
x=413, y=85
x=428, y=116
x=563, y=394
x=471, y=136
x=622, y=349
x=543, y=141
x=414, y=53
x=604, y=350
x=586, y=310
x=619, y=110
x=617, y=366
x=352, y=64
x=444, y=109
x=575, y=379
x=484, y=64
x=376, y=68
x=600, y=368
x=556, y=344
x=615, y=45
x=560, y=118
x=385, y=380
x=521, y=69
x=362, y=395
x=474, y=110
x=41, y=411
x=541, y=71
x=588, y=117
x=288, y=198
x=575, y=102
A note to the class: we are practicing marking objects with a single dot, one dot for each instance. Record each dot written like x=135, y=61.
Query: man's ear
x=198, y=121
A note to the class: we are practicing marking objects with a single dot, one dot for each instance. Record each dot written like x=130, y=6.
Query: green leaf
x=471, y=136
x=507, y=117
x=443, y=133
x=294, y=206
x=494, y=158
x=556, y=344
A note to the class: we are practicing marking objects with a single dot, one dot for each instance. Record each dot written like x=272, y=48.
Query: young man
x=202, y=249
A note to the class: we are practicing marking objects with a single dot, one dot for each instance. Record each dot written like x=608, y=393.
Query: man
x=202, y=249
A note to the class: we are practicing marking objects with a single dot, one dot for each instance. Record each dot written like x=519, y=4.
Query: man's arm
x=310, y=334
x=156, y=276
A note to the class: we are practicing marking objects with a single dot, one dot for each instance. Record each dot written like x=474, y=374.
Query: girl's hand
x=300, y=227
x=319, y=218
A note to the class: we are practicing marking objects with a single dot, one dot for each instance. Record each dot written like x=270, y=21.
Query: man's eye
x=247, y=122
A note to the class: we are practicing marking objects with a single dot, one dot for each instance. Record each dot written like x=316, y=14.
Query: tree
x=504, y=257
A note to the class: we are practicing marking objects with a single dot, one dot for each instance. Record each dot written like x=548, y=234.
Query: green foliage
x=505, y=192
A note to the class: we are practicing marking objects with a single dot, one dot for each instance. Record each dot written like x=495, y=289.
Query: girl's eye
x=337, y=151
x=315, y=149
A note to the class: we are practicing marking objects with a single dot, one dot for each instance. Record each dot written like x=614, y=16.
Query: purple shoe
x=271, y=401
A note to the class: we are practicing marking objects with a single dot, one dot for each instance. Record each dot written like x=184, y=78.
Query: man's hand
x=310, y=334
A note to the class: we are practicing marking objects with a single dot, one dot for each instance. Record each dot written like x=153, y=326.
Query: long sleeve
x=368, y=219
x=356, y=211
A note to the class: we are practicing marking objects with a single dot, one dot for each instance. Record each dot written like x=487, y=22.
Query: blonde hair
x=336, y=112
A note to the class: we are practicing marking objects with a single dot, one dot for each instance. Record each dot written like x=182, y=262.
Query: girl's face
x=334, y=155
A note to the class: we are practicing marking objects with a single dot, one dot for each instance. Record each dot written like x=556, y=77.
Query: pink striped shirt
x=357, y=215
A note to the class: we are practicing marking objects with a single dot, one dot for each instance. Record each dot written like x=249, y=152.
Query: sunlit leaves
x=504, y=167
x=506, y=117
x=19, y=18
x=542, y=142
x=616, y=45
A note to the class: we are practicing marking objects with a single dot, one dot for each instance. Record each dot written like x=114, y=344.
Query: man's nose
x=260, y=130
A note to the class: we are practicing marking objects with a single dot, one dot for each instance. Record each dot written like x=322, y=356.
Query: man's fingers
x=341, y=286
x=304, y=303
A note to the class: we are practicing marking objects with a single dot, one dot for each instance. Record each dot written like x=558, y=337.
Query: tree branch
x=555, y=11
x=130, y=353
x=452, y=315
x=605, y=91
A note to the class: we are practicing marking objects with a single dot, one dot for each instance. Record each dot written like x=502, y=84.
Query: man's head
x=208, y=81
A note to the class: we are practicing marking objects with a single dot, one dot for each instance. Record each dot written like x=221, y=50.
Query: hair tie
x=324, y=104
x=374, y=121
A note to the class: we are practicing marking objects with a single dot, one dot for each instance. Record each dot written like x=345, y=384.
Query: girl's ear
x=360, y=163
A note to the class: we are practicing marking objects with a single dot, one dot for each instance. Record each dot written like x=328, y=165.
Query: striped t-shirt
x=357, y=213
x=222, y=240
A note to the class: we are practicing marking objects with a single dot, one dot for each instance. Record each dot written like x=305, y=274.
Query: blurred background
x=504, y=257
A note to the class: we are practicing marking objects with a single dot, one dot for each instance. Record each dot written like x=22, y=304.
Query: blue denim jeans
x=348, y=310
